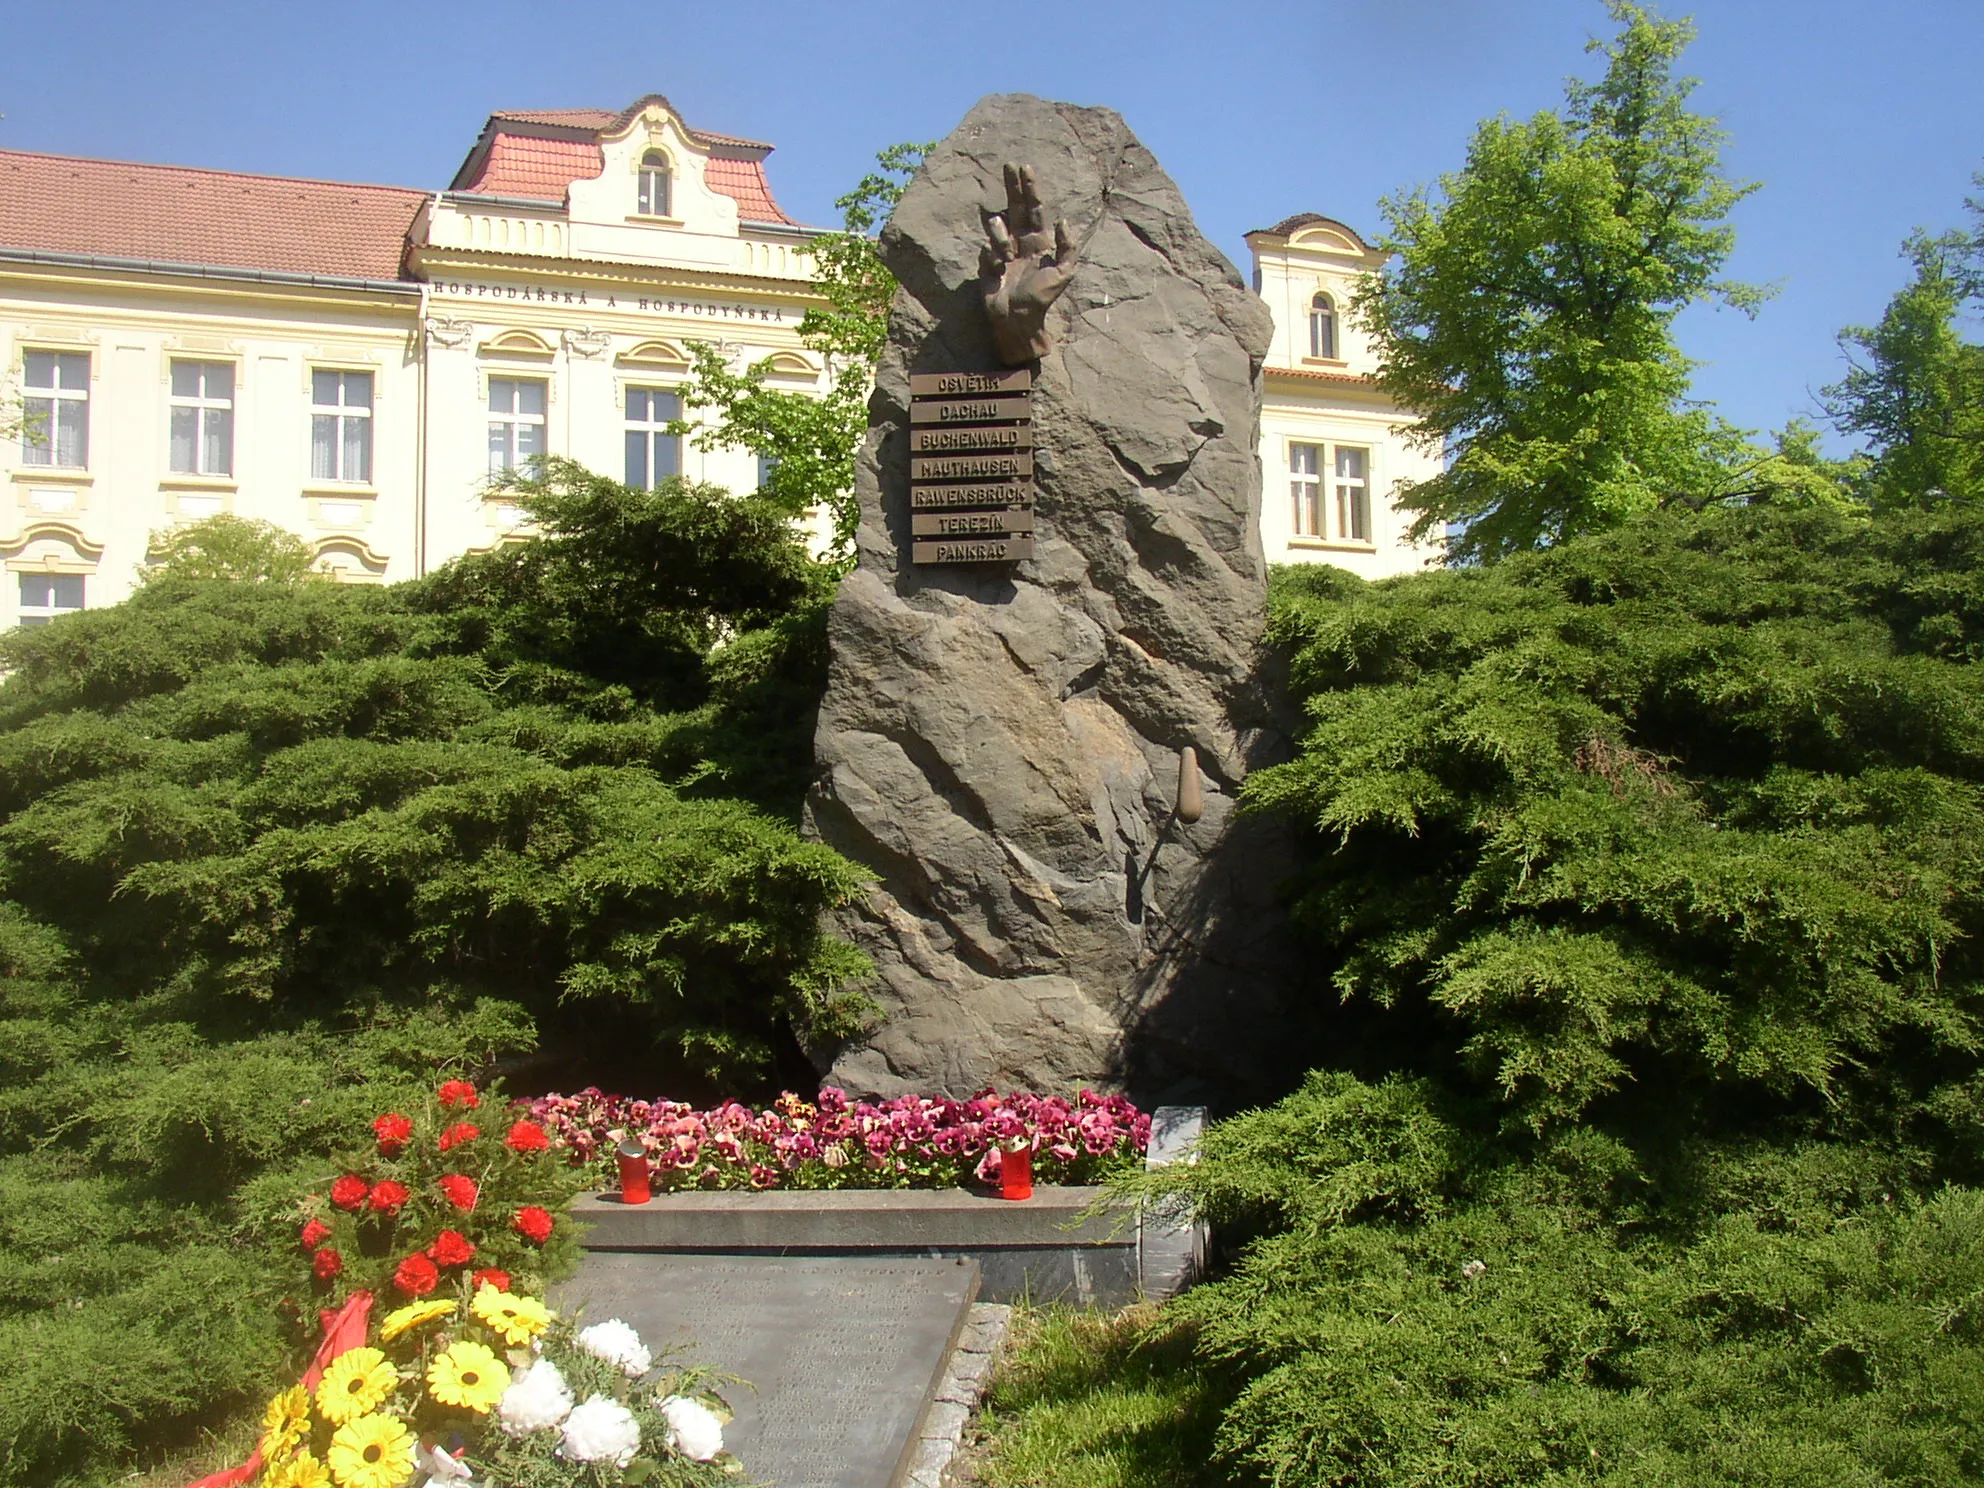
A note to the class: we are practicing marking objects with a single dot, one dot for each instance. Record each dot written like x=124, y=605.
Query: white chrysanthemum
x=538, y=1397
x=601, y=1430
x=618, y=1345
x=693, y=1428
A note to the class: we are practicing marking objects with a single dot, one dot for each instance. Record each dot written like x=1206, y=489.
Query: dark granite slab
x=843, y=1352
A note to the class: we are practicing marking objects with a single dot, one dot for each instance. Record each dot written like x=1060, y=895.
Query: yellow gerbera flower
x=516, y=1320
x=301, y=1471
x=371, y=1452
x=357, y=1381
x=412, y=1316
x=469, y=1376
x=285, y=1423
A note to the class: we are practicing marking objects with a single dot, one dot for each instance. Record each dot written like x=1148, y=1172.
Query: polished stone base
x=842, y=1356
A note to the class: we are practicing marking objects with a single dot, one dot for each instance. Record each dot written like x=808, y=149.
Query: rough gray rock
x=999, y=744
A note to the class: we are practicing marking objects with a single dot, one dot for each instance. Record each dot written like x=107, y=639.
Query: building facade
x=352, y=363
x=1333, y=448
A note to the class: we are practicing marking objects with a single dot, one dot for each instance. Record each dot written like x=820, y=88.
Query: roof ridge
x=207, y=170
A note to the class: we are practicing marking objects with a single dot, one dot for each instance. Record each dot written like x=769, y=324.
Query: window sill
x=333, y=491
x=1331, y=545
x=643, y=220
x=198, y=483
x=39, y=474
x=1337, y=362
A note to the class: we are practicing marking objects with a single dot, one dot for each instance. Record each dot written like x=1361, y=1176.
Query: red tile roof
x=525, y=165
x=538, y=153
x=744, y=182
x=1291, y=225
x=1317, y=374
x=573, y=118
x=174, y=214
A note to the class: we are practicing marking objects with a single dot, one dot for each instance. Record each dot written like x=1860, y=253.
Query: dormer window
x=1322, y=327
x=654, y=185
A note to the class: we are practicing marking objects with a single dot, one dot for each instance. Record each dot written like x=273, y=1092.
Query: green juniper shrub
x=1686, y=812
x=1646, y=872
x=277, y=852
x=1425, y=1305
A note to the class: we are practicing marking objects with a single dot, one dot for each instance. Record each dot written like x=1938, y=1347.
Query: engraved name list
x=971, y=466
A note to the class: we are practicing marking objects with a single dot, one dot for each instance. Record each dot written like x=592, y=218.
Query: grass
x=1088, y=1400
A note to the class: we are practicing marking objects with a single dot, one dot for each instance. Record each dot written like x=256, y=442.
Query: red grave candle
x=633, y=1172
x=1016, y=1174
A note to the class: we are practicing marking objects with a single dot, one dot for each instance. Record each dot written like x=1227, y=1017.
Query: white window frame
x=1351, y=493
x=510, y=421
x=41, y=430
x=339, y=415
x=42, y=614
x=649, y=430
x=206, y=409
x=1305, y=487
x=654, y=190
x=1323, y=328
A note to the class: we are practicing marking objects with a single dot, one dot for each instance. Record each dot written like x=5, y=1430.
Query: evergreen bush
x=1646, y=875
x=276, y=852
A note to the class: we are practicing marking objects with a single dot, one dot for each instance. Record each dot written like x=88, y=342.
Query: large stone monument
x=1011, y=687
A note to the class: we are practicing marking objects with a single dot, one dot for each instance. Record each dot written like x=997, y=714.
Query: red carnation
x=534, y=1224
x=451, y=1248
x=526, y=1136
x=326, y=1263
x=490, y=1276
x=392, y=1130
x=458, y=1093
x=416, y=1276
x=459, y=1191
x=315, y=1233
x=388, y=1197
x=459, y=1133
x=349, y=1192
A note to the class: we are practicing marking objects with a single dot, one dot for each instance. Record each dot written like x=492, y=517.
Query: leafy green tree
x=809, y=442
x=1915, y=387
x=1528, y=316
x=227, y=547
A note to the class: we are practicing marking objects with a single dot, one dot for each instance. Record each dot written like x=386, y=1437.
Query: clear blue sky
x=1862, y=120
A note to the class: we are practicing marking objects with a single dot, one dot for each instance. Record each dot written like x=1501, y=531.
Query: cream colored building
x=1333, y=447
x=353, y=362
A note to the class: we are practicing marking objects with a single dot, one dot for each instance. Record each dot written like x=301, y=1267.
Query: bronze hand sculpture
x=1019, y=276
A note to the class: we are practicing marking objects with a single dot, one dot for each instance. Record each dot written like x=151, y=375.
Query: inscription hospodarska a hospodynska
x=971, y=466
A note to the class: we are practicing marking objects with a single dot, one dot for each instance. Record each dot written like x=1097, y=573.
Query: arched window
x=1322, y=327
x=654, y=185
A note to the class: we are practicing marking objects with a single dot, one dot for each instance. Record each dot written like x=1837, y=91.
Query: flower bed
x=832, y=1142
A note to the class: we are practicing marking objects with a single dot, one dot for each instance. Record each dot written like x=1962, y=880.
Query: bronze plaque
x=970, y=410
x=980, y=550
x=966, y=524
x=971, y=467
x=933, y=498
x=958, y=441
x=956, y=384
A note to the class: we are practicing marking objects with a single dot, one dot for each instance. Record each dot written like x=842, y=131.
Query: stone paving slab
x=845, y=1354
